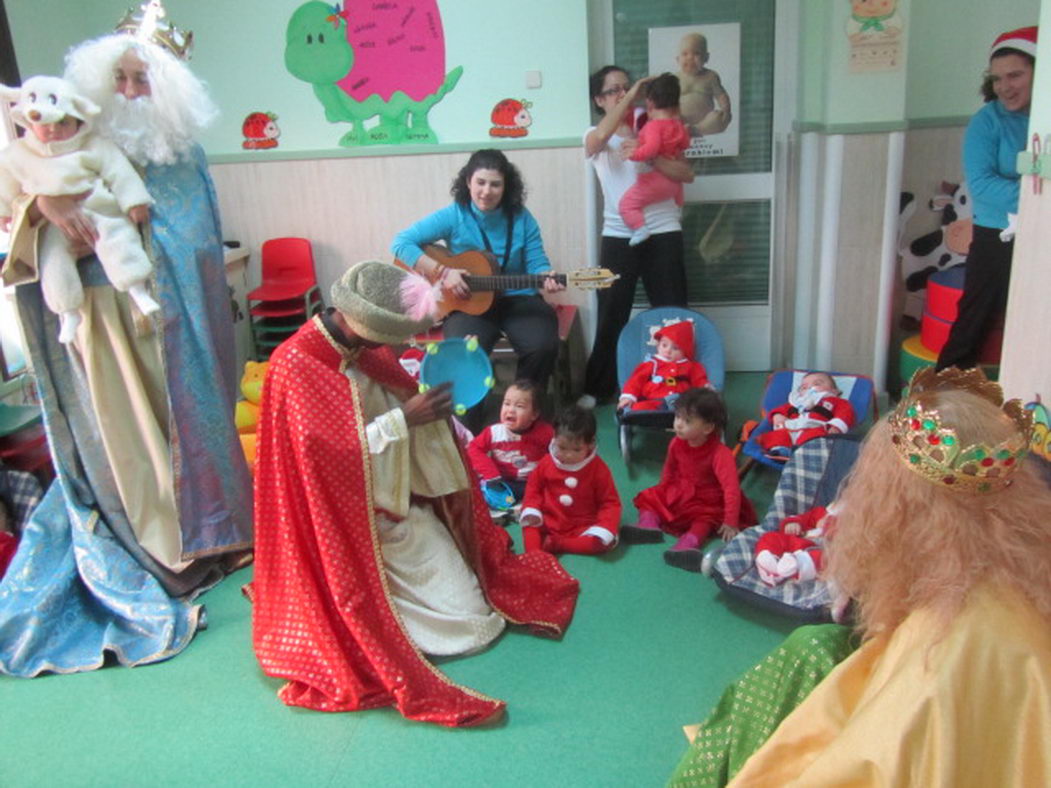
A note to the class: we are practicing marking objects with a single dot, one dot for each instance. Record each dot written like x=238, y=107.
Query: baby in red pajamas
x=510, y=450
x=814, y=409
x=795, y=551
x=571, y=504
x=659, y=380
x=698, y=494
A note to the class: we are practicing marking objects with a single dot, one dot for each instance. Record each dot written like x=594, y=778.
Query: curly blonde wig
x=902, y=542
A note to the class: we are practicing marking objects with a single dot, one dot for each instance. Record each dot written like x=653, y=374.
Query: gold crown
x=149, y=24
x=934, y=451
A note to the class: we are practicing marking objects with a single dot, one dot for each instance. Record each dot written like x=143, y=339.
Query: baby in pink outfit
x=663, y=135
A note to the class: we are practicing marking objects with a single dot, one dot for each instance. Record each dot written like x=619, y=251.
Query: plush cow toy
x=59, y=155
x=937, y=250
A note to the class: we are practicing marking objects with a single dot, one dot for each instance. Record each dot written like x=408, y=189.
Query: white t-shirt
x=616, y=176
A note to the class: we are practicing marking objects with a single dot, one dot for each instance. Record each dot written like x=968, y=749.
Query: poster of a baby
x=706, y=59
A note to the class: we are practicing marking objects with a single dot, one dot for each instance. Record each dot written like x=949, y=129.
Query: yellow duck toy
x=246, y=415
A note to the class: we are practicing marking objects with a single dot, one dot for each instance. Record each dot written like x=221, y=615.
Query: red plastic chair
x=288, y=296
x=288, y=276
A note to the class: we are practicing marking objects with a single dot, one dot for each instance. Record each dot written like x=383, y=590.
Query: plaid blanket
x=810, y=478
x=20, y=492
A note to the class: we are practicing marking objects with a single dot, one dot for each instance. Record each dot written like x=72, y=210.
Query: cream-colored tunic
x=435, y=592
x=120, y=354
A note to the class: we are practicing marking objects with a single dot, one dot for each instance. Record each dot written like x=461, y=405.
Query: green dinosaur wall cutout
x=373, y=59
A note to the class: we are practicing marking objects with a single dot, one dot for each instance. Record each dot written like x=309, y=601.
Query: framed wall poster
x=707, y=61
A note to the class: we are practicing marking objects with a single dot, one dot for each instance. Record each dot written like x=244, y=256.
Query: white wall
x=1025, y=368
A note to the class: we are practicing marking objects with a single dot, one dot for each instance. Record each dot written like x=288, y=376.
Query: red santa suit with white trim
x=498, y=452
x=578, y=507
x=808, y=415
x=656, y=378
x=781, y=556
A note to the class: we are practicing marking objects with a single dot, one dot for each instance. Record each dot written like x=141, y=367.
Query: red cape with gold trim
x=322, y=615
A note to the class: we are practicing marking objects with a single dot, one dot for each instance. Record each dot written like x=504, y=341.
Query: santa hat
x=681, y=334
x=1023, y=39
x=411, y=361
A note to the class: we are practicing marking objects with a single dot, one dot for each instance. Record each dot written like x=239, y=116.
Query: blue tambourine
x=461, y=362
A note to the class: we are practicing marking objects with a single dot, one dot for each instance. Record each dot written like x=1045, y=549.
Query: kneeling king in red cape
x=373, y=547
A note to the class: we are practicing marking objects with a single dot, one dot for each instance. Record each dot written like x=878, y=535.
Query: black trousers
x=531, y=326
x=987, y=273
x=659, y=260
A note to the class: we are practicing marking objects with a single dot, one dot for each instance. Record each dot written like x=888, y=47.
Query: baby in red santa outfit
x=571, y=504
x=814, y=409
x=508, y=451
x=659, y=380
x=795, y=551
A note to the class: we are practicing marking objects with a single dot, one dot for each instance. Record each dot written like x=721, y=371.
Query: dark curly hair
x=703, y=404
x=664, y=91
x=530, y=387
x=491, y=159
x=598, y=80
x=988, y=94
x=577, y=423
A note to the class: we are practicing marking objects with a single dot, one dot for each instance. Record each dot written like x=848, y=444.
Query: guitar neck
x=511, y=281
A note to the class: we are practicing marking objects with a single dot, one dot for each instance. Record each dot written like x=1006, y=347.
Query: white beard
x=142, y=131
x=807, y=400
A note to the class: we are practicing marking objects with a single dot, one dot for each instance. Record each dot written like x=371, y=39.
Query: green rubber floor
x=650, y=649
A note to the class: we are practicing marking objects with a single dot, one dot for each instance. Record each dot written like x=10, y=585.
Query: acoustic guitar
x=482, y=272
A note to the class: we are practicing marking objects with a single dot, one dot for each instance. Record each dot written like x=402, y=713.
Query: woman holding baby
x=659, y=259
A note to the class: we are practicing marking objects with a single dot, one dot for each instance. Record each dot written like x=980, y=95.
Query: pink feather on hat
x=419, y=297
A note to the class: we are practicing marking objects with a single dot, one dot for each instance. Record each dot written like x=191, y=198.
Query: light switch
x=533, y=79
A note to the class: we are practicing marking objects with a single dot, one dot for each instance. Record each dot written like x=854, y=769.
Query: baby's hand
x=624, y=402
x=140, y=214
x=530, y=521
x=728, y=532
x=627, y=147
x=5, y=224
x=834, y=430
x=793, y=528
x=778, y=421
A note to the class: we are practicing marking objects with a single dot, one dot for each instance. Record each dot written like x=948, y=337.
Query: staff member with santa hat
x=994, y=137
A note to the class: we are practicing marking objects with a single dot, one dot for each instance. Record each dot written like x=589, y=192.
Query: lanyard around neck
x=485, y=237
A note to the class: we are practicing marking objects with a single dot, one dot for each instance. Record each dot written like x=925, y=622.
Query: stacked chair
x=287, y=298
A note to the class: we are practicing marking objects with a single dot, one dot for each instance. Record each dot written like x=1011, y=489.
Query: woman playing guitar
x=488, y=213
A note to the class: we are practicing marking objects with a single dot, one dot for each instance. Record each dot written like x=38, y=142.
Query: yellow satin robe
x=910, y=708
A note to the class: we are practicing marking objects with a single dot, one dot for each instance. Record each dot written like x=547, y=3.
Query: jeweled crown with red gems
x=934, y=451
x=148, y=23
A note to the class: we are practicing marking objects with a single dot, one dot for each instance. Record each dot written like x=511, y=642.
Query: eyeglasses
x=615, y=90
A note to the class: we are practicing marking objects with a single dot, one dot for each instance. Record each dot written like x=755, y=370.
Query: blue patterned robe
x=81, y=584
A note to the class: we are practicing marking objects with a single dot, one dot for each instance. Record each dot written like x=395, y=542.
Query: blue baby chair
x=636, y=343
x=859, y=390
